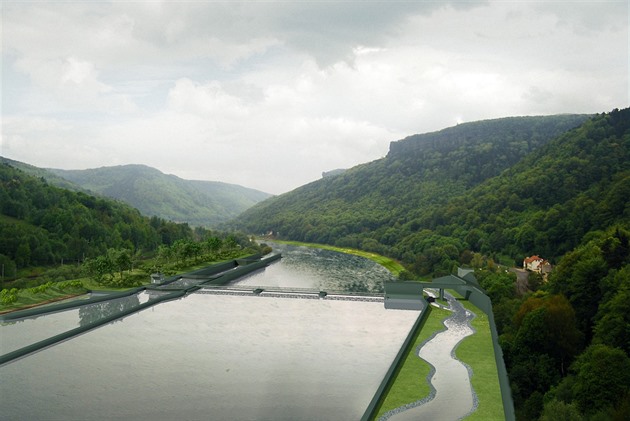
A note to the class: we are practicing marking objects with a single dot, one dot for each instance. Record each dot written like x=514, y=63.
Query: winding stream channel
x=452, y=396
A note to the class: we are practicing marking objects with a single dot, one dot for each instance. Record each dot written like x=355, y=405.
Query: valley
x=481, y=195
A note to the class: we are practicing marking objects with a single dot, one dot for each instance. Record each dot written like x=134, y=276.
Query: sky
x=270, y=94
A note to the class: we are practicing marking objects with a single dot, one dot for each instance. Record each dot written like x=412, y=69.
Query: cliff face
x=333, y=173
x=528, y=132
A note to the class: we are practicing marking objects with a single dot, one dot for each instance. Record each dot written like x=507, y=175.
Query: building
x=536, y=264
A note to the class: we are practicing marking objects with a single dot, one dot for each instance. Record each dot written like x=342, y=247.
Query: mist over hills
x=153, y=193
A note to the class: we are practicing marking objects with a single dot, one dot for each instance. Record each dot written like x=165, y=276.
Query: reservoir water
x=224, y=357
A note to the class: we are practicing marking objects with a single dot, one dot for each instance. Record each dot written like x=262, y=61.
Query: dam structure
x=248, y=338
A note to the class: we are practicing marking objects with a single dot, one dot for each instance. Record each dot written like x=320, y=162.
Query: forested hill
x=44, y=225
x=478, y=150
x=387, y=205
x=200, y=203
x=454, y=198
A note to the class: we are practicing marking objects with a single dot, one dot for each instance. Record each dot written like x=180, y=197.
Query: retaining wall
x=29, y=349
x=467, y=287
x=240, y=271
x=483, y=302
x=394, y=368
x=250, y=264
x=36, y=311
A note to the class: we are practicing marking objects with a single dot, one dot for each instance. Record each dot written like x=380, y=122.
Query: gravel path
x=452, y=396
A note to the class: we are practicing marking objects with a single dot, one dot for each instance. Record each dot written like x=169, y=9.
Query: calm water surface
x=221, y=357
x=322, y=270
x=19, y=333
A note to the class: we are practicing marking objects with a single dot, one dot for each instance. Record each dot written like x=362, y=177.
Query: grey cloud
x=327, y=31
x=588, y=16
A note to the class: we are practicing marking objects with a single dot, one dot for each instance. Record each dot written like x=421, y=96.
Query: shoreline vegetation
x=390, y=264
x=26, y=298
x=42, y=303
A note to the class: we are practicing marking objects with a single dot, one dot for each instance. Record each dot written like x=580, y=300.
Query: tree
x=164, y=256
x=23, y=255
x=560, y=411
x=545, y=342
x=602, y=377
x=99, y=269
x=578, y=277
x=613, y=318
x=498, y=286
x=213, y=244
x=7, y=267
x=121, y=260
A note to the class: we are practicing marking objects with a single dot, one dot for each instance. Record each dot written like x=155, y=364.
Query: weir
x=276, y=343
x=216, y=280
x=172, y=288
x=209, y=280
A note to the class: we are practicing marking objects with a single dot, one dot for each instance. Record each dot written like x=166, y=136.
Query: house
x=536, y=264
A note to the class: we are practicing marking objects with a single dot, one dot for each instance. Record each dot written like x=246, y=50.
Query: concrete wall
x=406, y=295
x=19, y=353
x=394, y=368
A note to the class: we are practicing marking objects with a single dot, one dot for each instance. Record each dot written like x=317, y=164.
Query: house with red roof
x=536, y=264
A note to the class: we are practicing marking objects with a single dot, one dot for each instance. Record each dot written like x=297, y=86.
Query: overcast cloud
x=268, y=94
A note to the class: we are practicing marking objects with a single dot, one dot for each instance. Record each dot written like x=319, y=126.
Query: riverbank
x=390, y=264
x=26, y=298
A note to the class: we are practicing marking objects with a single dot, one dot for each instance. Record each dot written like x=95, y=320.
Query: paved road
x=522, y=277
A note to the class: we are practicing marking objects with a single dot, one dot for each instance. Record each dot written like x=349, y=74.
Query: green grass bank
x=390, y=264
x=411, y=384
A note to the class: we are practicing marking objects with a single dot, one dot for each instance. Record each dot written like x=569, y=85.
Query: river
x=224, y=357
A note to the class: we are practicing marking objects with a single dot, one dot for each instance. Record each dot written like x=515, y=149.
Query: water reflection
x=16, y=334
x=215, y=357
x=318, y=269
x=94, y=312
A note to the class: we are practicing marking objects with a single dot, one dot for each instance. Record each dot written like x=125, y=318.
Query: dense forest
x=43, y=226
x=498, y=191
x=153, y=193
x=394, y=205
x=473, y=195
x=199, y=203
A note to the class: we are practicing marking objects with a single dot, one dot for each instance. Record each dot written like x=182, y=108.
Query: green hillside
x=385, y=206
x=558, y=187
x=200, y=203
x=49, y=234
x=44, y=225
x=50, y=177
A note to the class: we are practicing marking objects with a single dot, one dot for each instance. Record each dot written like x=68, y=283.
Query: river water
x=323, y=270
x=223, y=357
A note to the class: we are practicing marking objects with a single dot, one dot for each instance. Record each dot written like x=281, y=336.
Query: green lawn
x=477, y=351
x=410, y=383
x=390, y=264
